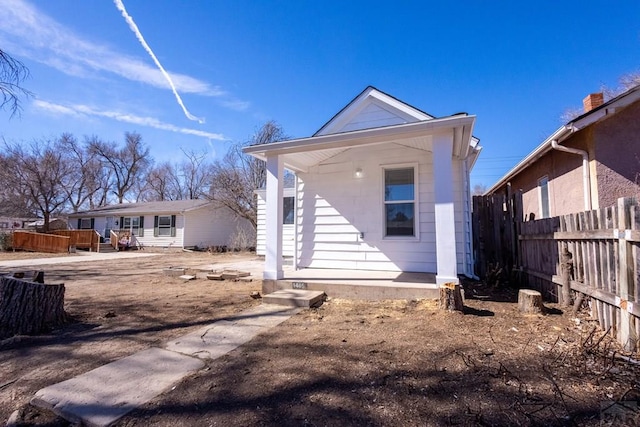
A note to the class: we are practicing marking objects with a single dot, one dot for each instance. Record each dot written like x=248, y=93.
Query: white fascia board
x=358, y=138
x=357, y=104
x=400, y=106
x=530, y=158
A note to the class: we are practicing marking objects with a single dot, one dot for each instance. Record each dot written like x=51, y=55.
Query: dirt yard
x=387, y=363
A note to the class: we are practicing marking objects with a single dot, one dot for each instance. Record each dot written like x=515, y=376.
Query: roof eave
x=359, y=137
x=580, y=122
x=541, y=150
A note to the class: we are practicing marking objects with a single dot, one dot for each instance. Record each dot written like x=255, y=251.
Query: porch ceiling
x=300, y=154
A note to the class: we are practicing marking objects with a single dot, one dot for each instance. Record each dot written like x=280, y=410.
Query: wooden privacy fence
x=495, y=232
x=39, y=242
x=85, y=239
x=599, y=253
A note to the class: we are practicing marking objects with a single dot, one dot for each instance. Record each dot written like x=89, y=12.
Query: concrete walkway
x=104, y=395
x=79, y=257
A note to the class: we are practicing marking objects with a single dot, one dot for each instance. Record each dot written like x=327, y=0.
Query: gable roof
x=163, y=207
x=595, y=115
x=372, y=108
x=373, y=117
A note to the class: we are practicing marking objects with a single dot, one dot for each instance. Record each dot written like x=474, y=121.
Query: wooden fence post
x=625, y=267
x=566, y=267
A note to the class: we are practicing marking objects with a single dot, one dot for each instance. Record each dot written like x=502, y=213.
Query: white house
x=288, y=222
x=179, y=223
x=381, y=186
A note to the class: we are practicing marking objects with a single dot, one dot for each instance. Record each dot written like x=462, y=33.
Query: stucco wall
x=613, y=145
x=564, y=171
x=618, y=156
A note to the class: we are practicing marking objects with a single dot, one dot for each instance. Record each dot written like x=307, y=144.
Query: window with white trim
x=132, y=224
x=399, y=202
x=543, y=186
x=288, y=210
x=164, y=225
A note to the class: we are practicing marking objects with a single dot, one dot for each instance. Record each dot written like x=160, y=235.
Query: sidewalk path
x=79, y=257
x=102, y=396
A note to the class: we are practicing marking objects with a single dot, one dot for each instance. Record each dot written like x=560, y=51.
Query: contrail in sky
x=146, y=47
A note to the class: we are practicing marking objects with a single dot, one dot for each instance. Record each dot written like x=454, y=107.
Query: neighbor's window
x=164, y=225
x=86, y=224
x=133, y=224
x=543, y=185
x=288, y=210
x=399, y=202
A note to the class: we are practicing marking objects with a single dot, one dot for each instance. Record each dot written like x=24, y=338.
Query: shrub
x=6, y=240
x=242, y=240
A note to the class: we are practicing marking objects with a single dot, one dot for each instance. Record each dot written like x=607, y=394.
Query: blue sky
x=516, y=65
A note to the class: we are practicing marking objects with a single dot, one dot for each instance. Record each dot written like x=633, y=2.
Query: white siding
x=334, y=207
x=207, y=226
x=216, y=227
x=288, y=237
x=148, y=239
x=373, y=116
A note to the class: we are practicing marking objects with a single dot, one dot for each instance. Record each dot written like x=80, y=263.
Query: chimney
x=592, y=101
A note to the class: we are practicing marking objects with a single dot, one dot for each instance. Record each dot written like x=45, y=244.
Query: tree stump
x=530, y=301
x=29, y=308
x=451, y=297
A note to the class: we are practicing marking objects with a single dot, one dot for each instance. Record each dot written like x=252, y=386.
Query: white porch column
x=273, y=219
x=445, y=222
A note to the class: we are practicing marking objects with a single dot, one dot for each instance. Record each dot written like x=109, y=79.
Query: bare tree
x=479, y=190
x=127, y=164
x=14, y=201
x=38, y=172
x=196, y=175
x=84, y=181
x=12, y=74
x=625, y=82
x=237, y=176
x=162, y=183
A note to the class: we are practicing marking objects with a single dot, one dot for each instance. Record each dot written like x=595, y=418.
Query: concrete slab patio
x=102, y=396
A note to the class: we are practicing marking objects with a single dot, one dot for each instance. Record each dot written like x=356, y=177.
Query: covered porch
x=382, y=205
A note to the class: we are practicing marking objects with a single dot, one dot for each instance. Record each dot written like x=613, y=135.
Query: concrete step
x=106, y=247
x=351, y=289
x=295, y=298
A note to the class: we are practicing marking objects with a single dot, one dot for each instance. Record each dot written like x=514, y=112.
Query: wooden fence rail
x=602, y=250
x=39, y=242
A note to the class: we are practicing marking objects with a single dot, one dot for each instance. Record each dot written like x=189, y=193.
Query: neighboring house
x=54, y=224
x=586, y=164
x=381, y=186
x=180, y=223
x=288, y=222
x=11, y=223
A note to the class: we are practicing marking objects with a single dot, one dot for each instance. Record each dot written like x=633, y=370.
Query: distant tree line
x=49, y=177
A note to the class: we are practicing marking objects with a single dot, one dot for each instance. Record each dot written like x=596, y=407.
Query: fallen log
x=29, y=308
